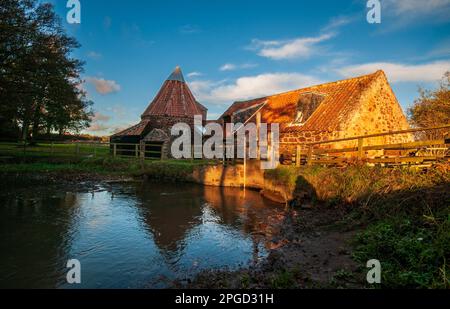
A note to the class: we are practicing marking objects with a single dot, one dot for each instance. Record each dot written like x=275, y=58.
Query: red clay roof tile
x=174, y=99
x=340, y=98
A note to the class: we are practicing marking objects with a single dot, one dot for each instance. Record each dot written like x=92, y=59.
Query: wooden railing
x=79, y=149
x=411, y=152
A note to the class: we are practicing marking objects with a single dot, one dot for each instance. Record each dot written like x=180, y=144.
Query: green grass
x=46, y=150
x=404, y=214
x=168, y=170
x=412, y=254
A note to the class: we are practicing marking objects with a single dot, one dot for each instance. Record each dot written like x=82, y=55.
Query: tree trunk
x=35, y=128
x=25, y=126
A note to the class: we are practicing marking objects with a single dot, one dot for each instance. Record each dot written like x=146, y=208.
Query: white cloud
x=288, y=49
x=225, y=92
x=338, y=22
x=397, y=72
x=232, y=66
x=103, y=86
x=97, y=127
x=98, y=123
x=228, y=67
x=402, y=13
x=416, y=7
x=194, y=74
x=100, y=117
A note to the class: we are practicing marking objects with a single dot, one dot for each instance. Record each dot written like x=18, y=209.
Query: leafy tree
x=432, y=108
x=39, y=80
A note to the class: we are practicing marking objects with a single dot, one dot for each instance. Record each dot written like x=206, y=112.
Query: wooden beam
x=327, y=151
x=405, y=146
x=360, y=148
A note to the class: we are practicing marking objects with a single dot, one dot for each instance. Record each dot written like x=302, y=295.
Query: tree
x=39, y=81
x=432, y=108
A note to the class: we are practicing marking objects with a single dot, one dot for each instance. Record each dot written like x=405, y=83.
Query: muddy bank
x=75, y=180
x=310, y=250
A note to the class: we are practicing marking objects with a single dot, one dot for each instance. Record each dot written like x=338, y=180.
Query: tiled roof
x=177, y=75
x=174, y=99
x=340, y=98
x=134, y=130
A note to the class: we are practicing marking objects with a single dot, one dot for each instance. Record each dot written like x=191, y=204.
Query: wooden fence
x=422, y=152
x=418, y=152
x=78, y=150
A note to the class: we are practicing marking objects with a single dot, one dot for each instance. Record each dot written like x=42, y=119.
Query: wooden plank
x=327, y=151
x=310, y=156
x=396, y=160
x=405, y=146
x=381, y=134
x=360, y=148
x=123, y=144
x=402, y=160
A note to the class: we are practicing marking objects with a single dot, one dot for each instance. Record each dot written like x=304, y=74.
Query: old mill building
x=352, y=107
x=173, y=104
x=347, y=108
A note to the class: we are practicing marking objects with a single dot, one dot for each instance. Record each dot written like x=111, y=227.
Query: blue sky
x=232, y=50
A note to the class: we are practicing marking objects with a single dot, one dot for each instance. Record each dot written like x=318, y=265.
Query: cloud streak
x=398, y=72
x=194, y=74
x=103, y=86
x=417, y=7
x=226, y=92
x=233, y=67
x=98, y=122
x=302, y=47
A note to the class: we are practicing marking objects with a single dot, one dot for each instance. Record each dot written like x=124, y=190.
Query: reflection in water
x=128, y=235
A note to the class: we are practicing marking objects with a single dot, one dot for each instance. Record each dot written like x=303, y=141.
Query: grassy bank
x=404, y=215
x=82, y=169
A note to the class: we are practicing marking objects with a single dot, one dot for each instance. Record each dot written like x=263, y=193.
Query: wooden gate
x=153, y=150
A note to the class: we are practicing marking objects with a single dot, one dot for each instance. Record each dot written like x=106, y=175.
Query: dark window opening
x=153, y=150
x=306, y=106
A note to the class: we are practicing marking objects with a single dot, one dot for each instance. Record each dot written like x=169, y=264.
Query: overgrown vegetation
x=405, y=215
x=170, y=169
x=432, y=108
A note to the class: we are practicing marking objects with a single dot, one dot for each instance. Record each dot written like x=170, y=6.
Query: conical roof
x=174, y=99
x=177, y=75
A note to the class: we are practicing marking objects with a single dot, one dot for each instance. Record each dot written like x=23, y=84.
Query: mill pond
x=129, y=235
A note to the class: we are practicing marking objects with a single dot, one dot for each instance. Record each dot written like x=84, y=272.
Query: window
x=306, y=106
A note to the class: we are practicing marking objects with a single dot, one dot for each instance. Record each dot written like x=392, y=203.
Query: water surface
x=133, y=235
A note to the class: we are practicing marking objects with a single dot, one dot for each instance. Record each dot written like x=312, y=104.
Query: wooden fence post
x=142, y=154
x=297, y=156
x=360, y=148
x=310, y=155
x=136, y=149
x=114, y=150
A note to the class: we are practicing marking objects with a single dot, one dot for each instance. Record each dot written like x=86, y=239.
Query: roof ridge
x=177, y=75
x=374, y=74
